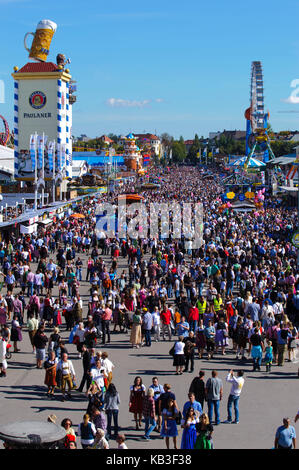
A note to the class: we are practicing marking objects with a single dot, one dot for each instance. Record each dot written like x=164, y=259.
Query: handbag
x=171, y=351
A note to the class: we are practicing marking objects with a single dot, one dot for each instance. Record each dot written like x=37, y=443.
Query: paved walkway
x=265, y=399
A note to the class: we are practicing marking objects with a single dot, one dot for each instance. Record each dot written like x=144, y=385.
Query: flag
x=50, y=155
x=33, y=151
x=62, y=156
x=40, y=150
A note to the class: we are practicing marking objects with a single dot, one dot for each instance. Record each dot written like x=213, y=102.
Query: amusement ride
x=4, y=134
x=257, y=139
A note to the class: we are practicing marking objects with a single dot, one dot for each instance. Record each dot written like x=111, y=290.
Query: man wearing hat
x=147, y=324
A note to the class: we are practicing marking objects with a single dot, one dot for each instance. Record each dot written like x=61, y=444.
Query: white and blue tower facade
x=42, y=105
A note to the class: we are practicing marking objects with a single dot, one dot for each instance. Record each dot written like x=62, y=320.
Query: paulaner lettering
x=37, y=115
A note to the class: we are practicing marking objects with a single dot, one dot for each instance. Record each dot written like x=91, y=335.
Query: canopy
x=253, y=163
x=131, y=197
x=78, y=216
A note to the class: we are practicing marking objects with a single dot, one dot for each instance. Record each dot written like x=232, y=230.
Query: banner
x=50, y=155
x=40, y=150
x=62, y=156
x=33, y=151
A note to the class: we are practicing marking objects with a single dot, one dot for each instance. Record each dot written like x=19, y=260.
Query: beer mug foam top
x=41, y=40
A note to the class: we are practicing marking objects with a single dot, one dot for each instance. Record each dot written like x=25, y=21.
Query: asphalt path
x=266, y=397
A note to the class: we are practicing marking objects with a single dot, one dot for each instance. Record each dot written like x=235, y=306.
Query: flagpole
x=54, y=161
x=43, y=169
x=35, y=172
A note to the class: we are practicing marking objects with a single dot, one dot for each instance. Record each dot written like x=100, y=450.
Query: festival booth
x=243, y=202
x=130, y=198
x=29, y=226
x=253, y=163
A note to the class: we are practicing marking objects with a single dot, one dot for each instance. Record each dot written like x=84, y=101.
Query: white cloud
x=120, y=102
x=291, y=99
x=123, y=103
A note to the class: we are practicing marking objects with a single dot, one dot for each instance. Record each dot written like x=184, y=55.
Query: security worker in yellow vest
x=202, y=306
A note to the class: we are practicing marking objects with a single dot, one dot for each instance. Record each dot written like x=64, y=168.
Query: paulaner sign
x=37, y=115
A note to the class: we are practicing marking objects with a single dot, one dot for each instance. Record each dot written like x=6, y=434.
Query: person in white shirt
x=108, y=366
x=67, y=375
x=98, y=373
x=234, y=396
x=156, y=323
x=3, y=362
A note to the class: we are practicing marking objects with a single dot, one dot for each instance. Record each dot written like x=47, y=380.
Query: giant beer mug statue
x=41, y=40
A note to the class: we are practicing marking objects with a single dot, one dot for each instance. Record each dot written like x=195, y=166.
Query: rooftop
x=38, y=67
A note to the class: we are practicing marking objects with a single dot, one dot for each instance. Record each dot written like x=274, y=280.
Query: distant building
x=152, y=140
x=188, y=144
x=214, y=135
x=80, y=168
x=234, y=135
x=83, y=138
x=6, y=163
x=106, y=140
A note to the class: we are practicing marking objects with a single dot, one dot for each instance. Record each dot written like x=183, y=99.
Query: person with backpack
x=271, y=334
x=257, y=349
x=283, y=336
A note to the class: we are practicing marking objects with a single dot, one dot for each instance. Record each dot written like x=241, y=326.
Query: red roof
x=146, y=136
x=36, y=67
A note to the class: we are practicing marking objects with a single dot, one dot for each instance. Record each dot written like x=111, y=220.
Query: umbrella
x=253, y=163
x=78, y=216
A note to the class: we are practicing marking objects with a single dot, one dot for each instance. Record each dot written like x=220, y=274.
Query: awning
x=30, y=229
x=46, y=221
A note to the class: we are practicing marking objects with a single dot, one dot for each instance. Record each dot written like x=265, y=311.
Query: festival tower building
x=132, y=156
x=43, y=106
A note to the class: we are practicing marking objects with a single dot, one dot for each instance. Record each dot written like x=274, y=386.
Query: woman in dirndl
x=3, y=312
x=200, y=338
x=189, y=433
x=136, y=335
x=137, y=394
x=16, y=333
x=50, y=379
x=169, y=426
x=221, y=338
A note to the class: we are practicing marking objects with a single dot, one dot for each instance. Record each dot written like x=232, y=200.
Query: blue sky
x=163, y=66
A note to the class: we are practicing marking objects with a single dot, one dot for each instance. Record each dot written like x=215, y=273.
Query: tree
x=166, y=142
x=178, y=151
x=281, y=147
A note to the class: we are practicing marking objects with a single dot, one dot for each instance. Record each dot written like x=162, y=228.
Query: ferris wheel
x=257, y=96
x=257, y=139
x=4, y=134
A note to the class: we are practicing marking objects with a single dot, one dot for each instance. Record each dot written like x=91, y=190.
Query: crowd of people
x=239, y=292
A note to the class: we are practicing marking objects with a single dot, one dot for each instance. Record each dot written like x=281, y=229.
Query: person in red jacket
x=193, y=318
x=165, y=317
